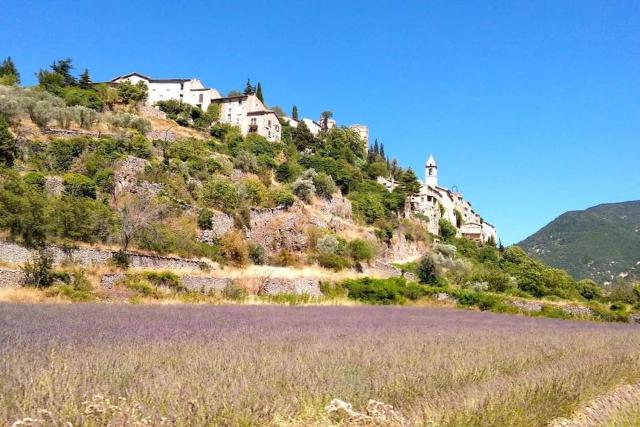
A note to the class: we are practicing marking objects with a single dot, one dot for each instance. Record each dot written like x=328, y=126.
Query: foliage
x=281, y=196
x=361, y=250
x=129, y=93
x=257, y=254
x=221, y=193
x=38, y=271
x=8, y=145
x=304, y=189
x=234, y=248
x=426, y=270
x=234, y=292
x=395, y=290
x=333, y=261
x=79, y=185
x=447, y=230
x=9, y=74
x=324, y=185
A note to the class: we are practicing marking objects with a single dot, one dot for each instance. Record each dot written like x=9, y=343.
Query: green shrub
x=324, y=185
x=234, y=292
x=35, y=179
x=166, y=279
x=394, y=290
x=333, y=261
x=234, y=248
x=427, y=271
x=257, y=254
x=281, y=196
x=205, y=219
x=589, y=289
x=361, y=250
x=221, y=193
x=447, y=230
x=333, y=290
x=120, y=259
x=38, y=271
x=79, y=185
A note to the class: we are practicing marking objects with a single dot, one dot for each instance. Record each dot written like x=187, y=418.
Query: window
x=269, y=134
x=200, y=98
x=229, y=117
x=269, y=123
x=430, y=172
x=253, y=121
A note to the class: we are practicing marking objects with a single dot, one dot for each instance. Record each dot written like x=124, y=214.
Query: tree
x=135, y=212
x=427, y=271
x=325, y=116
x=63, y=67
x=130, y=93
x=38, y=271
x=85, y=80
x=259, y=93
x=409, y=183
x=248, y=89
x=9, y=74
x=294, y=113
x=8, y=145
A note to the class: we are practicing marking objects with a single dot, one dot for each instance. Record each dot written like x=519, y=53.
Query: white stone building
x=313, y=126
x=436, y=202
x=361, y=130
x=250, y=115
x=189, y=91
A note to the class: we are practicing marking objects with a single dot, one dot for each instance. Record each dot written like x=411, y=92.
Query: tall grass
x=268, y=365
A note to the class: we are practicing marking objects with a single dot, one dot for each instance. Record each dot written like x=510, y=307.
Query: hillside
x=601, y=243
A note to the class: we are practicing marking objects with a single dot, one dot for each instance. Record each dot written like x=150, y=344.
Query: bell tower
x=431, y=173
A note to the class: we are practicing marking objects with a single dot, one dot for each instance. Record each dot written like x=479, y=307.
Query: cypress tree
x=382, y=152
x=294, y=113
x=376, y=148
x=259, y=93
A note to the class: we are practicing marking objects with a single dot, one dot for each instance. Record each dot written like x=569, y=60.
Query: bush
x=304, y=189
x=333, y=261
x=39, y=271
x=120, y=259
x=589, y=289
x=383, y=291
x=285, y=258
x=79, y=185
x=361, y=250
x=447, y=230
x=427, y=270
x=36, y=180
x=234, y=248
x=324, y=185
x=257, y=254
x=333, y=290
x=205, y=219
x=281, y=196
x=221, y=193
x=166, y=279
x=233, y=291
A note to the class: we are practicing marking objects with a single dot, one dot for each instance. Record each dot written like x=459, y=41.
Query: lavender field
x=272, y=365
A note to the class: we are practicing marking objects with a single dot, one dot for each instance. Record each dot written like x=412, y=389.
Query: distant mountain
x=600, y=243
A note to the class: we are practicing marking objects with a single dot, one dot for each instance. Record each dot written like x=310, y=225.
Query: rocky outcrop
x=279, y=228
x=126, y=173
x=577, y=310
x=54, y=186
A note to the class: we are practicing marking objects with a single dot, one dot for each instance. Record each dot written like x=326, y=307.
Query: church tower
x=431, y=173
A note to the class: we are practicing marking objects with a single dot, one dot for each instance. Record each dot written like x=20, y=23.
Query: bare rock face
x=109, y=280
x=339, y=206
x=577, y=310
x=126, y=173
x=54, y=186
x=221, y=223
x=279, y=228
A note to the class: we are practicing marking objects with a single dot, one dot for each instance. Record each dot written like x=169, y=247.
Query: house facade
x=189, y=91
x=250, y=115
x=436, y=202
x=362, y=131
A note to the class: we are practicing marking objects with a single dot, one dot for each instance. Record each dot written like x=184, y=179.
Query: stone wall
x=11, y=278
x=16, y=254
x=298, y=286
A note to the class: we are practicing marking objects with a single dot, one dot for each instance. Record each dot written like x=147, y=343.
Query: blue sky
x=531, y=108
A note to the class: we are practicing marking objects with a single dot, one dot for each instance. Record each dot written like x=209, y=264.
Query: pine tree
x=409, y=183
x=9, y=71
x=259, y=93
x=64, y=67
x=85, y=80
x=294, y=113
x=248, y=89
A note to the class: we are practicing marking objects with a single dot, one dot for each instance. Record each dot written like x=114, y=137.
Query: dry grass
x=267, y=365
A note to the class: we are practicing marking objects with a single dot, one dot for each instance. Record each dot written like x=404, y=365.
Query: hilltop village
x=248, y=112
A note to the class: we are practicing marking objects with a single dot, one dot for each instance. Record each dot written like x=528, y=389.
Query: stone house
x=362, y=131
x=250, y=115
x=436, y=202
x=189, y=91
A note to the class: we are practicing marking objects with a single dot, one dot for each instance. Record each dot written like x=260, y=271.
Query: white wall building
x=313, y=126
x=250, y=115
x=361, y=130
x=189, y=91
x=436, y=202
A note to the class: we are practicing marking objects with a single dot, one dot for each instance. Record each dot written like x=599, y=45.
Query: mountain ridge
x=601, y=242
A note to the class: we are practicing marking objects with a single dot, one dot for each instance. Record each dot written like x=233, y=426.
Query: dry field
x=274, y=365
